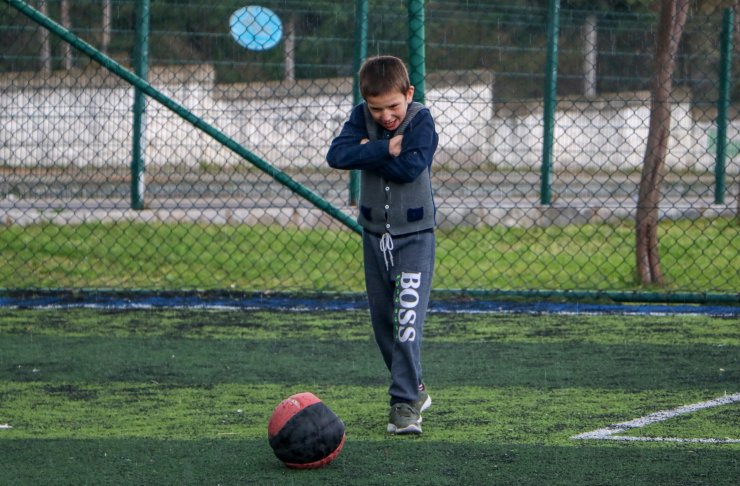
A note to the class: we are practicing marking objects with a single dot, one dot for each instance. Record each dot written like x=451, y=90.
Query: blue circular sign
x=256, y=28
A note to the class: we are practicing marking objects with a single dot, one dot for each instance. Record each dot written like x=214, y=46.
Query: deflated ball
x=304, y=433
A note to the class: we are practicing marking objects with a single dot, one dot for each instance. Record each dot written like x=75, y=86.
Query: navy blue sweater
x=417, y=148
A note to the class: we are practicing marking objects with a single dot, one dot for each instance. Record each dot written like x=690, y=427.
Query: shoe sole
x=409, y=429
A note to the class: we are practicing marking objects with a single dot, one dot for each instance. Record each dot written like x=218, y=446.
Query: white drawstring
x=386, y=245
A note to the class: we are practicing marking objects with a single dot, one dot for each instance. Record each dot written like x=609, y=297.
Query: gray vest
x=393, y=207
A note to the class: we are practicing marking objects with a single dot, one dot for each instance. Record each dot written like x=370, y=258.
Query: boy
x=392, y=140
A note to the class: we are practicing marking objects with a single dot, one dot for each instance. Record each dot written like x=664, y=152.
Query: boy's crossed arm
x=394, y=145
x=351, y=150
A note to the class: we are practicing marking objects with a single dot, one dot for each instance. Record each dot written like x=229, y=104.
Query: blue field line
x=224, y=300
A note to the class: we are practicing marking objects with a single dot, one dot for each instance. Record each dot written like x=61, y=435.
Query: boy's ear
x=410, y=94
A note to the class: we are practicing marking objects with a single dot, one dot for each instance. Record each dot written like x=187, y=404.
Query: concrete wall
x=84, y=119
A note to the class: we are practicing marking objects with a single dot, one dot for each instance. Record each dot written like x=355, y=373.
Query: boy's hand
x=364, y=141
x=394, y=147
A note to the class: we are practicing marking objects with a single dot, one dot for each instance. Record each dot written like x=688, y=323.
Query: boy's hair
x=380, y=75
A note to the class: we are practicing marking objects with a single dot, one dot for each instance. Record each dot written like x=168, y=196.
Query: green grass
x=696, y=256
x=184, y=396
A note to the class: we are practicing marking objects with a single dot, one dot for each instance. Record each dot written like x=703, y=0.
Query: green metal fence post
x=361, y=12
x=141, y=67
x=725, y=79
x=551, y=83
x=417, y=55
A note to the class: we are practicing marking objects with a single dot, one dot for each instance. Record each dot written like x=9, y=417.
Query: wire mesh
x=210, y=219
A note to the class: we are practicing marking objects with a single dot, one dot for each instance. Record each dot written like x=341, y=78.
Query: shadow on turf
x=198, y=361
x=391, y=461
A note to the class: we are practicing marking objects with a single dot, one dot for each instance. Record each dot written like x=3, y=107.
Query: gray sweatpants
x=398, y=278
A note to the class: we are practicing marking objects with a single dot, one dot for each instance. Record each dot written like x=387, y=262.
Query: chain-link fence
x=103, y=187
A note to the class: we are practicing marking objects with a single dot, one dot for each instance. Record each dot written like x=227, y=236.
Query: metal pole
x=551, y=83
x=361, y=14
x=417, y=55
x=725, y=79
x=141, y=67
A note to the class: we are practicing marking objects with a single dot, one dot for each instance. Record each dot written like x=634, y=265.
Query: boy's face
x=389, y=109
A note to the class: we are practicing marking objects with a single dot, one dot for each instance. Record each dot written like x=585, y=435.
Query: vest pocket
x=415, y=214
x=366, y=212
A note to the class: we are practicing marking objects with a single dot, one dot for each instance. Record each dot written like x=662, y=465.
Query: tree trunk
x=44, y=41
x=590, y=47
x=66, y=47
x=289, y=49
x=106, y=27
x=673, y=15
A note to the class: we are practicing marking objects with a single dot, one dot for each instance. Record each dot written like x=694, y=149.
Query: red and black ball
x=304, y=433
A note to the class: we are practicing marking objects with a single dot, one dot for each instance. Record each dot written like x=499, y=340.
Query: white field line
x=608, y=433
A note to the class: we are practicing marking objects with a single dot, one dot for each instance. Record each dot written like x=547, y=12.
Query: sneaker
x=404, y=419
x=423, y=402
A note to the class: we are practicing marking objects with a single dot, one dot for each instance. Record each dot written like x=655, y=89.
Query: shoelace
x=386, y=245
